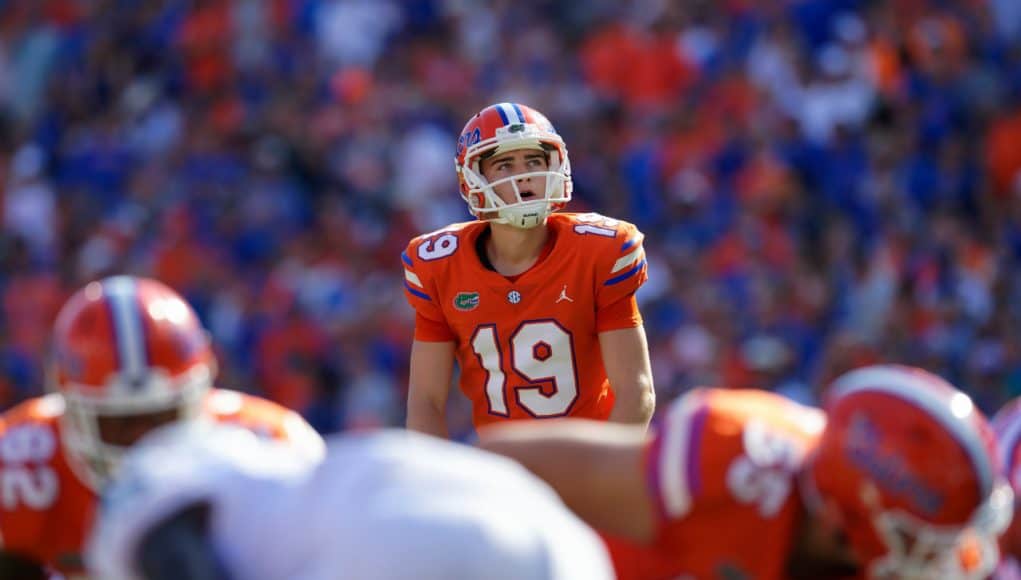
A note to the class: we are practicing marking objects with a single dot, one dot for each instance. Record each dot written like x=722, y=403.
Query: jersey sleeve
x=419, y=289
x=429, y=330
x=624, y=268
x=674, y=455
x=722, y=447
x=623, y=313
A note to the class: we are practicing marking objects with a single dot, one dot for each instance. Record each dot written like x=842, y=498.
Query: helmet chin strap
x=525, y=217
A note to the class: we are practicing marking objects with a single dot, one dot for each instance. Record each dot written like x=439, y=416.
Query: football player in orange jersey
x=898, y=480
x=537, y=308
x=129, y=355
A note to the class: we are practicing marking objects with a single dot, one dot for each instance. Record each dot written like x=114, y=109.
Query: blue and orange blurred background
x=822, y=183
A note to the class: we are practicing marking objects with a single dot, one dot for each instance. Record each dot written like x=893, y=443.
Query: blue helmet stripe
x=503, y=113
x=521, y=115
x=122, y=293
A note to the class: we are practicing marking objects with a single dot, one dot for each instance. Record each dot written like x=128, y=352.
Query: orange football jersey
x=46, y=511
x=528, y=345
x=722, y=469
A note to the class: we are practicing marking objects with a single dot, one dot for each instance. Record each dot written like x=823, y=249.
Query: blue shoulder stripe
x=407, y=261
x=630, y=243
x=418, y=293
x=625, y=275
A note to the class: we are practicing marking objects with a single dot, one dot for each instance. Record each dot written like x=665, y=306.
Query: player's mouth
x=527, y=195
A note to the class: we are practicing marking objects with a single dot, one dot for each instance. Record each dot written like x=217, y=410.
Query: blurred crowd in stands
x=822, y=183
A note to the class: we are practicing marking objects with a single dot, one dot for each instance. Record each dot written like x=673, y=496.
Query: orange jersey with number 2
x=528, y=345
x=46, y=510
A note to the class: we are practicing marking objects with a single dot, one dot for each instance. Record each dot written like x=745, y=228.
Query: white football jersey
x=389, y=505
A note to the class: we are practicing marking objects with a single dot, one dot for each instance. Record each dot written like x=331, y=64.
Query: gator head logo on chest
x=465, y=301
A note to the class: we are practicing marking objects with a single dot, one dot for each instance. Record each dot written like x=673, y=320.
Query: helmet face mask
x=499, y=129
x=919, y=550
x=99, y=430
x=130, y=355
x=906, y=510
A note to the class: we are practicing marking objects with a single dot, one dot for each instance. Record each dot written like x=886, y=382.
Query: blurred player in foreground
x=129, y=355
x=1007, y=424
x=218, y=503
x=537, y=308
x=901, y=481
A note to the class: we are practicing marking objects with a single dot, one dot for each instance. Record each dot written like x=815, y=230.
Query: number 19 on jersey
x=541, y=352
